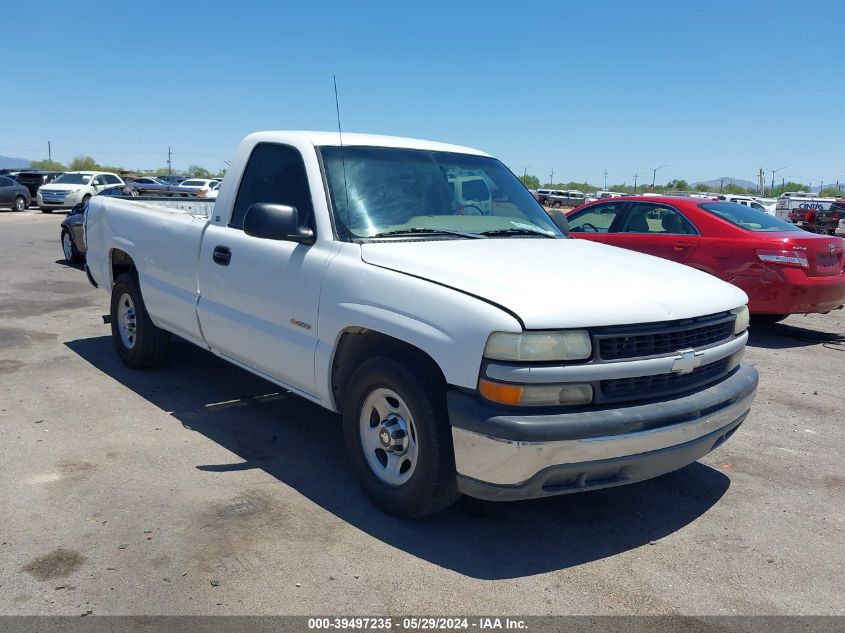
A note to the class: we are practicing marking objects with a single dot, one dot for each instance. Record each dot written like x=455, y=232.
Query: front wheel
x=398, y=439
x=138, y=341
x=20, y=204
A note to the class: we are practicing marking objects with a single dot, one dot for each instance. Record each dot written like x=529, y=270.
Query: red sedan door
x=596, y=221
x=657, y=229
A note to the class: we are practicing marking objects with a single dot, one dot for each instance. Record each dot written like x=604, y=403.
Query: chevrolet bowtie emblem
x=686, y=361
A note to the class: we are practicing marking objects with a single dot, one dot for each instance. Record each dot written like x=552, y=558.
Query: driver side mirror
x=559, y=218
x=276, y=222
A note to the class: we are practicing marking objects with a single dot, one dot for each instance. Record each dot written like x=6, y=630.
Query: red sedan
x=783, y=269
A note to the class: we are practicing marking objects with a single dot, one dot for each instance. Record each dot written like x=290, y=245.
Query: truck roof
x=317, y=139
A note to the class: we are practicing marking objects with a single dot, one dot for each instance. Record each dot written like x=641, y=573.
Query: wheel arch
x=121, y=262
x=354, y=345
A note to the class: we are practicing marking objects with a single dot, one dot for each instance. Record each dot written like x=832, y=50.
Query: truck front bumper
x=500, y=455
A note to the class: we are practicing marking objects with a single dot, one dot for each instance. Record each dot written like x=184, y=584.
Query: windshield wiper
x=423, y=231
x=516, y=231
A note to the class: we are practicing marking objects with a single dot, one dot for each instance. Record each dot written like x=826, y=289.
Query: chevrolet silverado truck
x=469, y=348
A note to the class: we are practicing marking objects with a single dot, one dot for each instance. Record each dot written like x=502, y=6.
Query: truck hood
x=561, y=283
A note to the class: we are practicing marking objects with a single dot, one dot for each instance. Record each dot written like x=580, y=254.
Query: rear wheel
x=398, y=439
x=72, y=255
x=43, y=210
x=19, y=204
x=138, y=341
x=768, y=319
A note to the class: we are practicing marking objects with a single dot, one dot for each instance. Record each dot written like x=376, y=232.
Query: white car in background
x=200, y=185
x=213, y=191
x=74, y=187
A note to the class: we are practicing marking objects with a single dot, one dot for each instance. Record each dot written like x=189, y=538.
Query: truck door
x=259, y=297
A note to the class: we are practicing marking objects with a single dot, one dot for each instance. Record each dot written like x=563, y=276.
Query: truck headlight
x=539, y=346
x=742, y=318
x=536, y=395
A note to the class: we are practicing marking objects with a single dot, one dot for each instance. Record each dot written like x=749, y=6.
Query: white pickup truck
x=470, y=349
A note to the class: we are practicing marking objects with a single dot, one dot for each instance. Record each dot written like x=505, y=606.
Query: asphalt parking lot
x=200, y=489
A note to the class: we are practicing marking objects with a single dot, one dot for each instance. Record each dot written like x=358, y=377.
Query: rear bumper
x=503, y=456
x=798, y=294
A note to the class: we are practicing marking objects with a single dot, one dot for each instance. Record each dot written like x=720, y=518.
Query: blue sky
x=711, y=89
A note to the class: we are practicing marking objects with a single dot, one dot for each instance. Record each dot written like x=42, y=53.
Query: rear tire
x=138, y=342
x=385, y=397
x=43, y=210
x=19, y=204
x=768, y=319
x=72, y=255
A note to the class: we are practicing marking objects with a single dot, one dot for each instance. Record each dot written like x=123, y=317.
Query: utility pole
x=761, y=183
x=654, y=174
x=635, y=182
x=782, y=185
x=774, y=171
x=169, y=168
x=552, y=177
x=49, y=151
x=721, y=185
x=605, y=180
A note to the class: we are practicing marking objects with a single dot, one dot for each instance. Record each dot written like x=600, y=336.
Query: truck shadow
x=301, y=445
x=786, y=336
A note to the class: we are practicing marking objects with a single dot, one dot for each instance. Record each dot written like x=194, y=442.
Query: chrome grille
x=661, y=339
x=646, y=387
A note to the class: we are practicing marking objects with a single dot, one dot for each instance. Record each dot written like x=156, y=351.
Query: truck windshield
x=73, y=179
x=747, y=218
x=380, y=190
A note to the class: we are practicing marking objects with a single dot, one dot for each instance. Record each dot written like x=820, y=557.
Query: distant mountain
x=714, y=184
x=9, y=162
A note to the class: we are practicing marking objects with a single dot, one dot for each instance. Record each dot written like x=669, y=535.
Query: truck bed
x=168, y=232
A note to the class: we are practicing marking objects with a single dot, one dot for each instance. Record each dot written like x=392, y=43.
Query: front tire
x=138, y=342
x=398, y=439
x=72, y=254
x=19, y=204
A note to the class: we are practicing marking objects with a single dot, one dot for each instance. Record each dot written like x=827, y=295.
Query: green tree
x=737, y=190
x=47, y=165
x=677, y=185
x=790, y=186
x=82, y=163
x=531, y=182
x=702, y=187
x=198, y=172
x=831, y=192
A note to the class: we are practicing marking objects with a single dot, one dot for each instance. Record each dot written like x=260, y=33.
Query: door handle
x=222, y=255
x=680, y=246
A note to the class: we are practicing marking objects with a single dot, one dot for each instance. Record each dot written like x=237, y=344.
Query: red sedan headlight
x=793, y=258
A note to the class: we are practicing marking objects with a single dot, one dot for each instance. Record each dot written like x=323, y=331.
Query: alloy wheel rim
x=127, y=324
x=67, y=246
x=388, y=436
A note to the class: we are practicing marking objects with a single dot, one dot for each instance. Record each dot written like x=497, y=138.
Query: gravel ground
x=200, y=489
